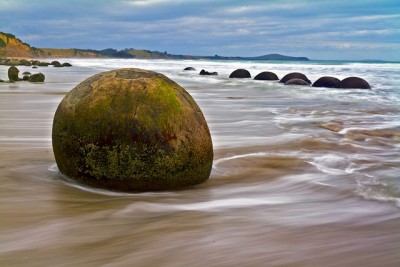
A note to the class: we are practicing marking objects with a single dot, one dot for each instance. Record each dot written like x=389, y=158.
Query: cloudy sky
x=321, y=29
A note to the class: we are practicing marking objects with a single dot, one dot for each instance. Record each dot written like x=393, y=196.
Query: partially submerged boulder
x=189, y=69
x=327, y=81
x=266, y=76
x=24, y=62
x=66, y=64
x=297, y=82
x=43, y=64
x=203, y=72
x=354, y=82
x=132, y=130
x=240, y=73
x=56, y=64
x=36, y=78
x=294, y=75
x=13, y=74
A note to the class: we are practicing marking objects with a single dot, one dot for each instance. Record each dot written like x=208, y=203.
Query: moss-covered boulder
x=35, y=62
x=24, y=62
x=13, y=74
x=37, y=78
x=132, y=130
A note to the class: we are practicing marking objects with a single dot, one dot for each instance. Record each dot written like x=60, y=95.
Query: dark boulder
x=355, y=83
x=297, y=81
x=35, y=62
x=43, y=64
x=294, y=75
x=37, y=78
x=327, y=81
x=34, y=67
x=66, y=64
x=240, y=73
x=266, y=76
x=189, y=68
x=13, y=74
x=24, y=62
x=11, y=62
x=26, y=73
x=56, y=64
x=25, y=77
x=203, y=72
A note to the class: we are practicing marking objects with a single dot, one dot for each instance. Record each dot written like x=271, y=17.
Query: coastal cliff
x=10, y=46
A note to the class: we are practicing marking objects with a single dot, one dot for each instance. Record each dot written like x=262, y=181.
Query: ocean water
x=302, y=176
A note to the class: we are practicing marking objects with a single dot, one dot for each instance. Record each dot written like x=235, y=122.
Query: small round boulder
x=266, y=76
x=294, y=75
x=189, y=69
x=240, y=73
x=297, y=82
x=13, y=74
x=36, y=78
x=327, y=81
x=355, y=83
x=132, y=130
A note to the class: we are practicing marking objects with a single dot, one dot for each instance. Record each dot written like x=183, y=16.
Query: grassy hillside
x=71, y=53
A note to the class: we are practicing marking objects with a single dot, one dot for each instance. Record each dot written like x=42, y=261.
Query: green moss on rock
x=37, y=78
x=13, y=74
x=132, y=130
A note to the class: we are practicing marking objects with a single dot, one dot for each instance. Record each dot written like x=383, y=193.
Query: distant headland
x=10, y=46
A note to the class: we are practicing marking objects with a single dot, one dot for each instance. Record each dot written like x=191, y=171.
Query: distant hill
x=71, y=53
x=278, y=57
x=10, y=46
x=265, y=57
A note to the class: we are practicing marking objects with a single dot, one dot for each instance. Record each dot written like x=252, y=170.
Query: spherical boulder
x=35, y=62
x=189, y=69
x=297, y=82
x=24, y=62
x=240, y=73
x=36, y=78
x=354, y=82
x=294, y=75
x=56, y=64
x=132, y=130
x=266, y=76
x=66, y=64
x=327, y=81
x=13, y=74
